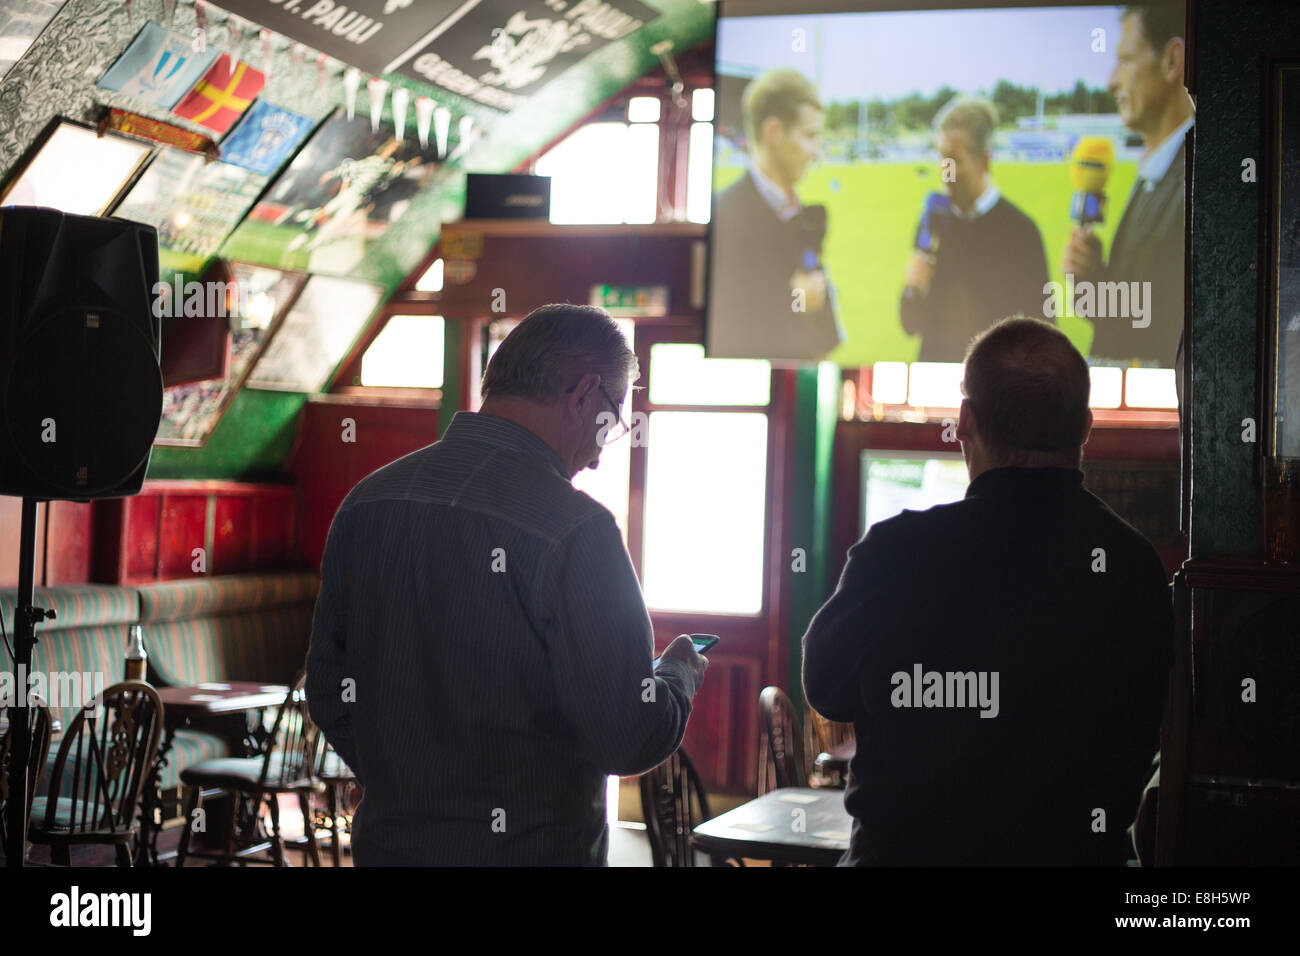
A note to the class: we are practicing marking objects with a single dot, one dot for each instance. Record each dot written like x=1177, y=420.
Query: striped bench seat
x=233, y=627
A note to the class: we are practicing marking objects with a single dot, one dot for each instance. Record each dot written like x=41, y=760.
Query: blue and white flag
x=159, y=66
x=265, y=138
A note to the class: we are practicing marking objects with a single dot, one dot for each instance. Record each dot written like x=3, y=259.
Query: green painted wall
x=817, y=403
x=1233, y=40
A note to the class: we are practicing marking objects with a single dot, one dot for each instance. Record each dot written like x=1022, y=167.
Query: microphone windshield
x=1091, y=164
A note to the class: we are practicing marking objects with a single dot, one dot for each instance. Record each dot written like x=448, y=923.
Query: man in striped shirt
x=481, y=652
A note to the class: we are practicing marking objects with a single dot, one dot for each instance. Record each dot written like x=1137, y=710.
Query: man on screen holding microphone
x=977, y=258
x=1147, y=83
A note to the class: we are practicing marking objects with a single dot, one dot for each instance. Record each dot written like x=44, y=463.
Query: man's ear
x=1087, y=428
x=770, y=130
x=576, y=401
x=965, y=421
x=1174, y=61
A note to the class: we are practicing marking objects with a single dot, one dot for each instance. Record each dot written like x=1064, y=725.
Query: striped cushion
x=268, y=646
x=233, y=627
x=97, y=651
x=190, y=747
x=85, y=605
x=224, y=594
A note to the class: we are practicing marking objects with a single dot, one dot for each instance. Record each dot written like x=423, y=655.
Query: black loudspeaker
x=80, y=384
x=507, y=196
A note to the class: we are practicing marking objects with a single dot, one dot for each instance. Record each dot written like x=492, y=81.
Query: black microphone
x=811, y=222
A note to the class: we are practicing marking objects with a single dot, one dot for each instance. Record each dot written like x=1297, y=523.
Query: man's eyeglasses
x=609, y=434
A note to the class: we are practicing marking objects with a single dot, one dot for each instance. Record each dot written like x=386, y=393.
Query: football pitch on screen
x=873, y=210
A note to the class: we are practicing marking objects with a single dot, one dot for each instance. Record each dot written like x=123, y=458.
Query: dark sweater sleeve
x=626, y=718
x=839, y=640
x=327, y=653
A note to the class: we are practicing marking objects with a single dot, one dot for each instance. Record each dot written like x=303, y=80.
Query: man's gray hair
x=553, y=347
x=974, y=114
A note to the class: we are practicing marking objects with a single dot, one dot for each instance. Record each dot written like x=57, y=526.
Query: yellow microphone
x=1090, y=167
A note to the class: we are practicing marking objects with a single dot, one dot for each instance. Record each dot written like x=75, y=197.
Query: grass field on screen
x=873, y=210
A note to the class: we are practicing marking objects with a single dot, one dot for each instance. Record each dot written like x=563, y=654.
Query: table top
x=225, y=697
x=772, y=827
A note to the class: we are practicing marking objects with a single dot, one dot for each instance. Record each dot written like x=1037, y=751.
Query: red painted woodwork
x=153, y=535
x=64, y=532
x=273, y=523
x=183, y=528
x=139, y=541
x=232, y=536
x=327, y=465
x=68, y=530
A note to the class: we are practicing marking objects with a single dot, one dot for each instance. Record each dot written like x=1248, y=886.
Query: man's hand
x=813, y=284
x=683, y=649
x=920, y=272
x=1083, y=256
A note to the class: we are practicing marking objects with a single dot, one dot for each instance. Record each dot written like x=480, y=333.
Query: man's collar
x=1157, y=163
x=987, y=200
x=1015, y=481
x=784, y=207
x=476, y=426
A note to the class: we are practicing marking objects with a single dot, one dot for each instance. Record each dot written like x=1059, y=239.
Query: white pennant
x=378, y=88
x=441, y=127
x=401, y=96
x=351, y=83
x=423, y=117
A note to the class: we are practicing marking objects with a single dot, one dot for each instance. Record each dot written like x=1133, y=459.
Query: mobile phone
x=703, y=644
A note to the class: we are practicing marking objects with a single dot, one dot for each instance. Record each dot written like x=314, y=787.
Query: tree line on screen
x=916, y=113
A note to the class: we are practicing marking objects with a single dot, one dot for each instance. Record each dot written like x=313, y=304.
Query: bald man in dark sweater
x=978, y=260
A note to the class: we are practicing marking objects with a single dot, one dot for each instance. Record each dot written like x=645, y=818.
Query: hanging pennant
x=401, y=97
x=441, y=127
x=201, y=15
x=129, y=19
x=351, y=83
x=320, y=76
x=465, y=127
x=424, y=106
x=169, y=10
x=296, y=53
x=378, y=89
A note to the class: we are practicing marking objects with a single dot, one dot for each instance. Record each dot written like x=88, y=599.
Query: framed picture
x=263, y=297
x=316, y=335
x=193, y=204
x=72, y=168
x=1279, y=348
x=342, y=190
x=21, y=22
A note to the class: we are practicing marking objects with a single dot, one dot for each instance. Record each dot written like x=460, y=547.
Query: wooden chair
x=821, y=736
x=107, y=754
x=342, y=794
x=824, y=734
x=290, y=765
x=783, y=758
x=40, y=726
x=673, y=801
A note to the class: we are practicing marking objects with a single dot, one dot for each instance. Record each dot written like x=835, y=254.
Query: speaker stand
x=26, y=617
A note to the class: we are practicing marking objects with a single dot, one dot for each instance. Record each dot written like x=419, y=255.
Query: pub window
x=706, y=482
x=408, y=353
x=604, y=173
